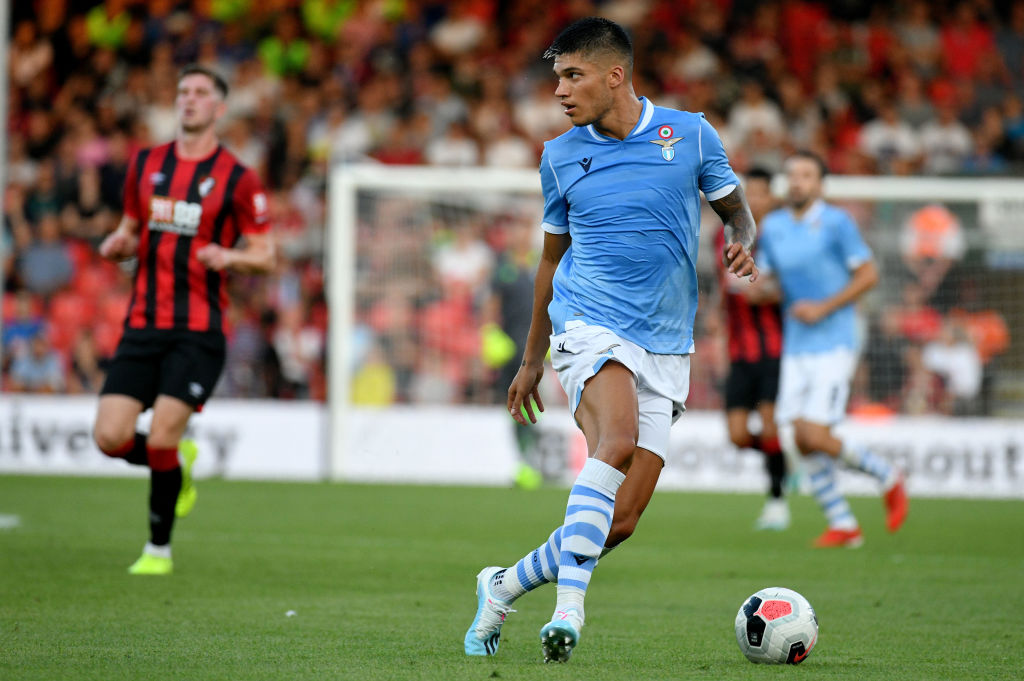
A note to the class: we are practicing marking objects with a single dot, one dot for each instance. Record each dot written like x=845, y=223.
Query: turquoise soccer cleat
x=485, y=632
x=559, y=636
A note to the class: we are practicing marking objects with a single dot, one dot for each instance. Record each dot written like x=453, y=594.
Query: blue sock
x=822, y=477
x=588, y=518
x=863, y=459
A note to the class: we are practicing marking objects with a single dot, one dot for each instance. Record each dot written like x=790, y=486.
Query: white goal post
x=1000, y=203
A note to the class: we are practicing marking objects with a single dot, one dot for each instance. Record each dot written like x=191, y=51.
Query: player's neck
x=195, y=146
x=621, y=118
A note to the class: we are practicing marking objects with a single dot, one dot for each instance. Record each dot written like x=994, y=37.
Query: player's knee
x=740, y=437
x=616, y=451
x=112, y=439
x=808, y=439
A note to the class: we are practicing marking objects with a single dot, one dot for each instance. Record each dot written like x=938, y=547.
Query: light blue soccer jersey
x=812, y=259
x=632, y=208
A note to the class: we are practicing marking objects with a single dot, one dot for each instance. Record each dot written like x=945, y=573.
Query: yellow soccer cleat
x=148, y=564
x=188, y=450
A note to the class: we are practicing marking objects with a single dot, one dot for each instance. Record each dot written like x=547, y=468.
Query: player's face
x=198, y=104
x=804, y=179
x=583, y=88
x=759, y=197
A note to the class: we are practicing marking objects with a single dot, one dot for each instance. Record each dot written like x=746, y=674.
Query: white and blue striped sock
x=588, y=518
x=538, y=567
x=822, y=479
x=863, y=459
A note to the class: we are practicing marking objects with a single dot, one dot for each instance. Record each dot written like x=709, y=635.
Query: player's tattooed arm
x=740, y=232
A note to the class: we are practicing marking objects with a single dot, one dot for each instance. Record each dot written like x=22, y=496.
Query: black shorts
x=751, y=383
x=181, y=364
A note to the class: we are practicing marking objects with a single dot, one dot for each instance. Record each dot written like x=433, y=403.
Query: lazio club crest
x=666, y=141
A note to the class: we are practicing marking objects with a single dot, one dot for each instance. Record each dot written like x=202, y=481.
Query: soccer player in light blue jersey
x=821, y=264
x=615, y=297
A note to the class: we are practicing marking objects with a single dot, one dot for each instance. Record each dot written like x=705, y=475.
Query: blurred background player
x=822, y=267
x=186, y=204
x=509, y=310
x=754, y=325
x=615, y=297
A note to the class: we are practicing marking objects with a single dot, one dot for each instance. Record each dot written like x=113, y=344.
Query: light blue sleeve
x=852, y=248
x=717, y=178
x=556, y=210
x=763, y=251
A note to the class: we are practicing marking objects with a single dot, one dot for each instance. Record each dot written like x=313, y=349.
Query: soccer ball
x=776, y=626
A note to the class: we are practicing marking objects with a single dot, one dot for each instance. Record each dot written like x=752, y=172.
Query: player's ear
x=616, y=76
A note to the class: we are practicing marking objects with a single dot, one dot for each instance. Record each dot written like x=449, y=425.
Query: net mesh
x=444, y=280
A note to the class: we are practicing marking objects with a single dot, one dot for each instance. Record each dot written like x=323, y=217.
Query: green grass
x=382, y=580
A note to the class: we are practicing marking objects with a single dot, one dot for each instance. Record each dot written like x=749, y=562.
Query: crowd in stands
x=895, y=87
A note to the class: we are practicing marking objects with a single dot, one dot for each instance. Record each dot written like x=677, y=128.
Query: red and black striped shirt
x=181, y=206
x=755, y=331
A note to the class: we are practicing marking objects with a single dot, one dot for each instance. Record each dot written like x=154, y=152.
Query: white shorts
x=662, y=381
x=815, y=386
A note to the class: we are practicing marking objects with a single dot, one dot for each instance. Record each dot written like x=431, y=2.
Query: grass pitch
x=380, y=581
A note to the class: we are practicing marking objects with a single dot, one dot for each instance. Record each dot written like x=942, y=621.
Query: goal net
x=430, y=280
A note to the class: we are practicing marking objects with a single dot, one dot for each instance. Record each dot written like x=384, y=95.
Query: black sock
x=163, y=495
x=138, y=456
x=776, y=467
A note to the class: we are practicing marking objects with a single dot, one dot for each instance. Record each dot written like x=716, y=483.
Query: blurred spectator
x=965, y=41
x=890, y=142
x=23, y=323
x=38, y=370
x=989, y=154
x=45, y=264
x=456, y=147
x=85, y=375
x=955, y=360
x=945, y=142
x=508, y=149
x=374, y=383
x=931, y=242
x=754, y=112
x=920, y=37
x=912, y=102
x=1009, y=40
x=31, y=54
x=298, y=346
x=285, y=52
x=464, y=259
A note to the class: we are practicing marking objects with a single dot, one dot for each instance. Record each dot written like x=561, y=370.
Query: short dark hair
x=218, y=82
x=814, y=158
x=759, y=173
x=591, y=36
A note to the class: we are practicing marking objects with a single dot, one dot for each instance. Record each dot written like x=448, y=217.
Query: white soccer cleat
x=559, y=636
x=774, y=516
x=485, y=632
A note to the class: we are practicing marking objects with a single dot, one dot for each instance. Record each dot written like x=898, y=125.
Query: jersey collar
x=645, y=119
x=812, y=213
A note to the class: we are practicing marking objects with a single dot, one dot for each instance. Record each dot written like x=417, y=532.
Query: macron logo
x=585, y=164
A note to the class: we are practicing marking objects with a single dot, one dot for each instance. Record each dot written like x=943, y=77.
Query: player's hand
x=809, y=311
x=214, y=257
x=119, y=245
x=524, y=386
x=739, y=261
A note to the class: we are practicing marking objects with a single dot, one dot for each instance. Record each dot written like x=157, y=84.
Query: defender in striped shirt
x=191, y=213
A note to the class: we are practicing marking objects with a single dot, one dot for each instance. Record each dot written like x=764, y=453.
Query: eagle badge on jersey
x=666, y=142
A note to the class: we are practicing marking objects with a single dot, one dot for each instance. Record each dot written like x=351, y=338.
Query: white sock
x=157, y=551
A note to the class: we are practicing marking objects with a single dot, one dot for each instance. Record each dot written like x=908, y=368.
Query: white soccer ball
x=776, y=626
